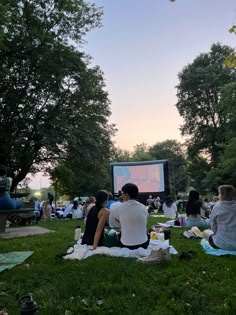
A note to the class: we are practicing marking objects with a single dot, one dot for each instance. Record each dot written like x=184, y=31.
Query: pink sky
x=141, y=48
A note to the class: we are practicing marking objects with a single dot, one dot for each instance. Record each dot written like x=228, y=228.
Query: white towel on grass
x=84, y=251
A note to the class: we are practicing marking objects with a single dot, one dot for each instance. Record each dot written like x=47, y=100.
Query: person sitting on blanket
x=96, y=220
x=193, y=211
x=169, y=208
x=223, y=220
x=131, y=216
x=6, y=202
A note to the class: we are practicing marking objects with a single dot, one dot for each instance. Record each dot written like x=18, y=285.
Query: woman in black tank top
x=96, y=220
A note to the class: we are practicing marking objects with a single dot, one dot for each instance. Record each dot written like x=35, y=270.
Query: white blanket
x=84, y=251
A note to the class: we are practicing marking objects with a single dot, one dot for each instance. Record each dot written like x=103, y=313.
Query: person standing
x=50, y=198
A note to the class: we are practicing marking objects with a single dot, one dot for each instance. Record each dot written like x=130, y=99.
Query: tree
x=199, y=95
x=141, y=153
x=230, y=61
x=120, y=155
x=172, y=151
x=225, y=170
x=198, y=168
x=48, y=93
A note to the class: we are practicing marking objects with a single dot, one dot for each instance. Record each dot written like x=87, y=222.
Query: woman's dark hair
x=193, y=205
x=193, y=195
x=3, y=170
x=101, y=196
x=131, y=190
x=75, y=204
x=169, y=202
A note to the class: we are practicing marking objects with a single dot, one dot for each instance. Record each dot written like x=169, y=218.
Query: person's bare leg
x=207, y=234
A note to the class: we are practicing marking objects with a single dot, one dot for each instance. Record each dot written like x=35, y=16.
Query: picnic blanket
x=84, y=251
x=11, y=259
x=208, y=249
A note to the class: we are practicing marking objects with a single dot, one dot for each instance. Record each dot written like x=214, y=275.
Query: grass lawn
x=109, y=285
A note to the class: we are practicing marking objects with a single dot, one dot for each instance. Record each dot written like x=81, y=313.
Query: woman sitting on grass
x=77, y=210
x=193, y=211
x=169, y=208
x=223, y=220
x=96, y=220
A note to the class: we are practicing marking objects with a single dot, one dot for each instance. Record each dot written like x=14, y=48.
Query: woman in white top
x=169, y=208
x=77, y=212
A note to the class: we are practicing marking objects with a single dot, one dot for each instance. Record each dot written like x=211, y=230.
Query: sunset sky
x=141, y=48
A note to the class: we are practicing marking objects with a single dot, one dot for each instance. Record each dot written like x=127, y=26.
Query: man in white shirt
x=132, y=217
x=113, y=209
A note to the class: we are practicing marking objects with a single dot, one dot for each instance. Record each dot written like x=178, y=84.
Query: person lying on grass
x=96, y=220
x=223, y=220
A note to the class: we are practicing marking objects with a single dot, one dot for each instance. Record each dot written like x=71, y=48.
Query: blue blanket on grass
x=208, y=249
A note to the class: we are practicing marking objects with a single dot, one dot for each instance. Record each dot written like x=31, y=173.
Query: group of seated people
x=131, y=217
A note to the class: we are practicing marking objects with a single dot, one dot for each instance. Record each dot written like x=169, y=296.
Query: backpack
x=3, y=184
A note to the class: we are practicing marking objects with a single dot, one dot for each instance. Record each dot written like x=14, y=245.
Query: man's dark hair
x=131, y=190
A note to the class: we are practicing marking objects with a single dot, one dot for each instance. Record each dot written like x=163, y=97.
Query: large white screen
x=148, y=178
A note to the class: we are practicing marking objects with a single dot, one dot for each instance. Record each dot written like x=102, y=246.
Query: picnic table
x=4, y=214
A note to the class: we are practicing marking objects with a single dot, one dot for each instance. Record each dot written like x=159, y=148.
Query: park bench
x=5, y=213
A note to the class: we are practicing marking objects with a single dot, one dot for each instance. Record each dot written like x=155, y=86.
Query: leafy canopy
x=50, y=99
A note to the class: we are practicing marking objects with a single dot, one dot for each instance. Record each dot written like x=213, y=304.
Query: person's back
x=68, y=210
x=91, y=226
x=77, y=212
x=132, y=216
x=133, y=220
x=223, y=223
x=169, y=208
x=113, y=211
x=193, y=211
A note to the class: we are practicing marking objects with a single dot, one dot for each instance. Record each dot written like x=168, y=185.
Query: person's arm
x=213, y=221
x=103, y=216
x=113, y=221
x=203, y=206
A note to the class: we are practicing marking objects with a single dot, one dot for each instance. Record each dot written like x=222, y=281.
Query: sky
x=141, y=48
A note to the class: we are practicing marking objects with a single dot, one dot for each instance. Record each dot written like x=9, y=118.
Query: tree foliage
x=206, y=101
x=50, y=99
x=141, y=153
x=199, y=101
x=172, y=151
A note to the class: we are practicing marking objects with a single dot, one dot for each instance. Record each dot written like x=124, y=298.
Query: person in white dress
x=169, y=208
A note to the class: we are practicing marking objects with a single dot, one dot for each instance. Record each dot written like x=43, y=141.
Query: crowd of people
x=218, y=217
x=125, y=213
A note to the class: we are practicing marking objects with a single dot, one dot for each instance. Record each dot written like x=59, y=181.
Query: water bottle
x=28, y=305
x=77, y=233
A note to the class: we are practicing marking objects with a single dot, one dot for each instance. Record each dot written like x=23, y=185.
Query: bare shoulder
x=104, y=212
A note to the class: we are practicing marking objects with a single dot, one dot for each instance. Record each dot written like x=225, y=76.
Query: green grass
x=109, y=285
